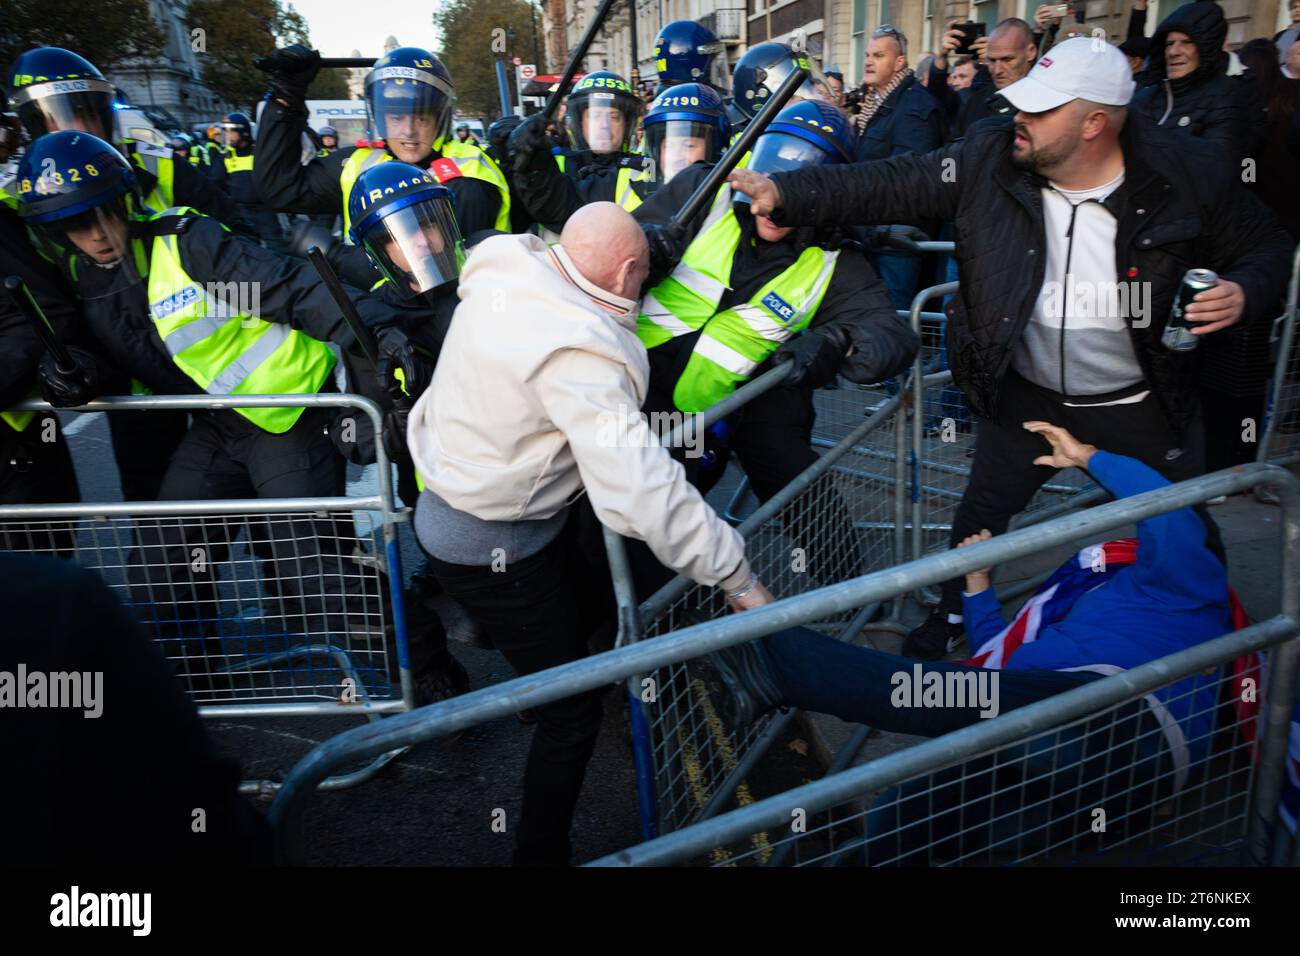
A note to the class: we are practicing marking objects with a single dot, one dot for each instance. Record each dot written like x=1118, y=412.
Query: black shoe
x=749, y=688
x=934, y=638
x=441, y=681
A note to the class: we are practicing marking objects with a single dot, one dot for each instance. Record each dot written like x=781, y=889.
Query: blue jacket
x=909, y=121
x=1174, y=596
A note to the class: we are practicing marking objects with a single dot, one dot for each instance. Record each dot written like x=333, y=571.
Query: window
x=1153, y=18
x=858, y=46
x=986, y=12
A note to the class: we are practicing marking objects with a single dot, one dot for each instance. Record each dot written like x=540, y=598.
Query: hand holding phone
x=970, y=31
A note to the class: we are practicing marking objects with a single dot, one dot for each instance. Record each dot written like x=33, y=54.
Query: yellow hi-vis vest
x=624, y=194
x=19, y=421
x=733, y=342
x=470, y=160
x=225, y=351
x=239, y=164
x=161, y=164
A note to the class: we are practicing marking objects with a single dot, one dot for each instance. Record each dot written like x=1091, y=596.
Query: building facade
x=850, y=22
x=172, y=83
x=835, y=32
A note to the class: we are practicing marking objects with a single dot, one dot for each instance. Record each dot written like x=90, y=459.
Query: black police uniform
x=284, y=184
x=143, y=442
x=33, y=470
x=223, y=454
x=241, y=187
x=552, y=196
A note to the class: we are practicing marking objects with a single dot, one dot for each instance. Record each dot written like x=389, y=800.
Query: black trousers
x=1003, y=476
x=1224, y=415
x=36, y=468
x=539, y=612
x=174, y=570
x=143, y=445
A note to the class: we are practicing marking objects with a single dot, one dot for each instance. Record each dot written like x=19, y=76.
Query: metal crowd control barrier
x=847, y=597
x=1281, y=440
x=265, y=607
x=835, y=520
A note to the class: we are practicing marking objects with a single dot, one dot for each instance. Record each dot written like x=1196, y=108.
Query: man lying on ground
x=1171, y=594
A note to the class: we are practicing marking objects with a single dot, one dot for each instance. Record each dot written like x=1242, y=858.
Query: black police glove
x=530, y=146
x=395, y=420
x=815, y=356
x=666, y=249
x=66, y=389
x=353, y=435
x=290, y=70
x=304, y=234
x=397, y=351
x=898, y=238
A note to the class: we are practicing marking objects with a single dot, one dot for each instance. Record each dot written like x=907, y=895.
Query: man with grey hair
x=1007, y=55
x=1074, y=229
x=897, y=116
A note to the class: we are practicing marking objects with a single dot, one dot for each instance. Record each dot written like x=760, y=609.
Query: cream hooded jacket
x=536, y=397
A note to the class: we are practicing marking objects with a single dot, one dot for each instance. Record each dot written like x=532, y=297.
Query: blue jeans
x=900, y=275
x=1117, y=761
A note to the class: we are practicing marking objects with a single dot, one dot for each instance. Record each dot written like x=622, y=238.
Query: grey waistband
x=459, y=538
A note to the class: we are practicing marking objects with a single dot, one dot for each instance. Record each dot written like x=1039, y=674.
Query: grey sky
x=340, y=26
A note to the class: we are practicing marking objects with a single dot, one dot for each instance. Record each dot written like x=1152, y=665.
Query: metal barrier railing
x=1027, y=785
x=695, y=641
x=1280, y=443
x=264, y=607
x=835, y=520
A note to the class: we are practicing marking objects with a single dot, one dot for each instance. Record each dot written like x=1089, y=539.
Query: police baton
x=709, y=186
x=21, y=296
x=575, y=60
x=346, y=308
x=347, y=62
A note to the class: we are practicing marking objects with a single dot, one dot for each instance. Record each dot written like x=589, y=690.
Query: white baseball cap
x=1083, y=68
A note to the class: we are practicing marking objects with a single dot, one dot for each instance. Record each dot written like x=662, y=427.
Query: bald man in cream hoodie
x=542, y=356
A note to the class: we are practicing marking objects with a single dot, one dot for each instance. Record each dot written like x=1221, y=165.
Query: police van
x=346, y=116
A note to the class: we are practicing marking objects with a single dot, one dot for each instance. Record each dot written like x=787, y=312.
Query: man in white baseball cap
x=1074, y=228
x=1070, y=110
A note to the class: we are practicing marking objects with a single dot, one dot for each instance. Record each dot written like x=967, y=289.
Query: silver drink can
x=1178, y=331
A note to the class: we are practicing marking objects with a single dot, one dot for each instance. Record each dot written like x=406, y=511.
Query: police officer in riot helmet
x=145, y=279
x=53, y=89
x=405, y=223
x=685, y=124
x=597, y=165
x=410, y=100
x=687, y=52
x=760, y=73
x=235, y=172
